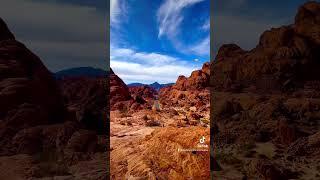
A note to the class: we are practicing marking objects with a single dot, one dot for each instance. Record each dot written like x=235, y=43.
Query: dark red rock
x=286, y=132
x=87, y=98
x=306, y=146
x=145, y=92
x=29, y=94
x=5, y=33
x=199, y=79
x=187, y=92
x=288, y=54
x=119, y=91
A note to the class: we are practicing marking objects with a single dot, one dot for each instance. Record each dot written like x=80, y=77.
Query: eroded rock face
x=87, y=99
x=118, y=91
x=143, y=163
x=145, y=92
x=285, y=56
x=307, y=22
x=306, y=146
x=40, y=122
x=270, y=171
x=188, y=92
x=268, y=98
x=29, y=95
x=198, y=79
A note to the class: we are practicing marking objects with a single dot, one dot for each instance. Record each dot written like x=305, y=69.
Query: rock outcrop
x=29, y=95
x=266, y=101
x=188, y=92
x=49, y=126
x=87, y=98
x=119, y=91
x=286, y=57
x=145, y=92
x=199, y=79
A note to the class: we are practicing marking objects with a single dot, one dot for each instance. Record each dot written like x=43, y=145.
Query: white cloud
x=141, y=57
x=202, y=48
x=170, y=16
x=206, y=25
x=133, y=72
x=117, y=11
x=144, y=67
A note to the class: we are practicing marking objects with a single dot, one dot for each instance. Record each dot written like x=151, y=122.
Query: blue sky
x=158, y=40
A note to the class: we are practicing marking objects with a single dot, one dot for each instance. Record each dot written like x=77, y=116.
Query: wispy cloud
x=170, y=16
x=206, y=25
x=117, y=11
x=141, y=57
x=133, y=66
x=203, y=47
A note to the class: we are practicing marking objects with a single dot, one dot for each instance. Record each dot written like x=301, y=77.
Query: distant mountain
x=81, y=72
x=136, y=84
x=154, y=85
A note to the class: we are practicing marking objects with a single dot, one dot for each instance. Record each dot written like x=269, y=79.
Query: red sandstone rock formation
x=285, y=56
x=29, y=93
x=145, y=92
x=34, y=119
x=119, y=92
x=87, y=99
x=187, y=92
x=268, y=98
